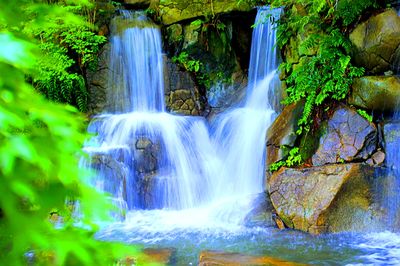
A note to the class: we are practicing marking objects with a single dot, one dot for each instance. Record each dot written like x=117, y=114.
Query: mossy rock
x=173, y=11
x=376, y=40
x=380, y=93
x=281, y=136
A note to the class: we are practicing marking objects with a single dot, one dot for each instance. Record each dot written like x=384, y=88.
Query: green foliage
x=325, y=72
x=194, y=66
x=293, y=159
x=197, y=22
x=348, y=11
x=69, y=50
x=188, y=63
x=324, y=77
x=40, y=145
x=276, y=166
x=364, y=114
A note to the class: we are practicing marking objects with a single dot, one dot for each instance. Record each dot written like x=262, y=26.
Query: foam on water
x=203, y=177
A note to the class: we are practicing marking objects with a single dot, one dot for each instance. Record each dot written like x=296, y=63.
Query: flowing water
x=187, y=183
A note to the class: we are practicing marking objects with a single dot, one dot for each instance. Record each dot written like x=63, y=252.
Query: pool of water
x=189, y=234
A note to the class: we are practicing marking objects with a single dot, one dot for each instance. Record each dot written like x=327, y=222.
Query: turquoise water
x=380, y=248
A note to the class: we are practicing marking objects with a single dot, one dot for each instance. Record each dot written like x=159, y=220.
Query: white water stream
x=172, y=172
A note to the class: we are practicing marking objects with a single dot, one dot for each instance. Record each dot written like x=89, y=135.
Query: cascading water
x=188, y=185
x=145, y=157
x=150, y=159
x=390, y=195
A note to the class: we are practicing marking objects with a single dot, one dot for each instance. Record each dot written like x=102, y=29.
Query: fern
x=68, y=50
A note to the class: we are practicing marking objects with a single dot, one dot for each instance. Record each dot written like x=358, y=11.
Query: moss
x=309, y=142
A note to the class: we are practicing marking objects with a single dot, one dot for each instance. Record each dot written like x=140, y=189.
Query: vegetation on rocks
x=318, y=67
x=68, y=49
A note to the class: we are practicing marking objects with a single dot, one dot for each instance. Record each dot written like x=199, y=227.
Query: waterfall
x=144, y=156
x=136, y=78
x=391, y=182
x=179, y=171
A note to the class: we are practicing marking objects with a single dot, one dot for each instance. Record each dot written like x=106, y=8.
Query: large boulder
x=376, y=41
x=376, y=93
x=348, y=137
x=178, y=10
x=281, y=136
x=329, y=198
x=214, y=258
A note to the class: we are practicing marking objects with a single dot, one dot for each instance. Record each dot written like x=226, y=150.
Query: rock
x=191, y=35
x=181, y=91
x=221, y=96
x=173, y=11
x=162, y=256
x=146, y=155
x=391, y=135
x=279, y=223
x=98, y=83
x=377, y=158
x=174, y=35
x=281, y=136
x=138, y=3
x=113, y=169
x=151, y=256
x=143, y=143
x=180, y=95
x=214, y=258
x=261, y=212
x=376, y=41
x=329, y=198
x=348, y=137
x=380, y=93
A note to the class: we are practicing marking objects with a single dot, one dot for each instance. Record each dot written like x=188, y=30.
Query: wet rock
x=376, y=41
x=376, y=93
x=181, y=93
x=98, y=83
x=377, y=158
x=143, y=143
x=180, y=10
x=279, y=223
x=114, y=170
x=261, y=212
x=281, y=136
x=391, y=135
x=329, y=198
x=348, y=137
x=214, y=258
x=222, y=96
x=146, y=155
x=164, y=256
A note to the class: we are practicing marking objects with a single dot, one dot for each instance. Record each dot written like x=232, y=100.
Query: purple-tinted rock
x=349, y=137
